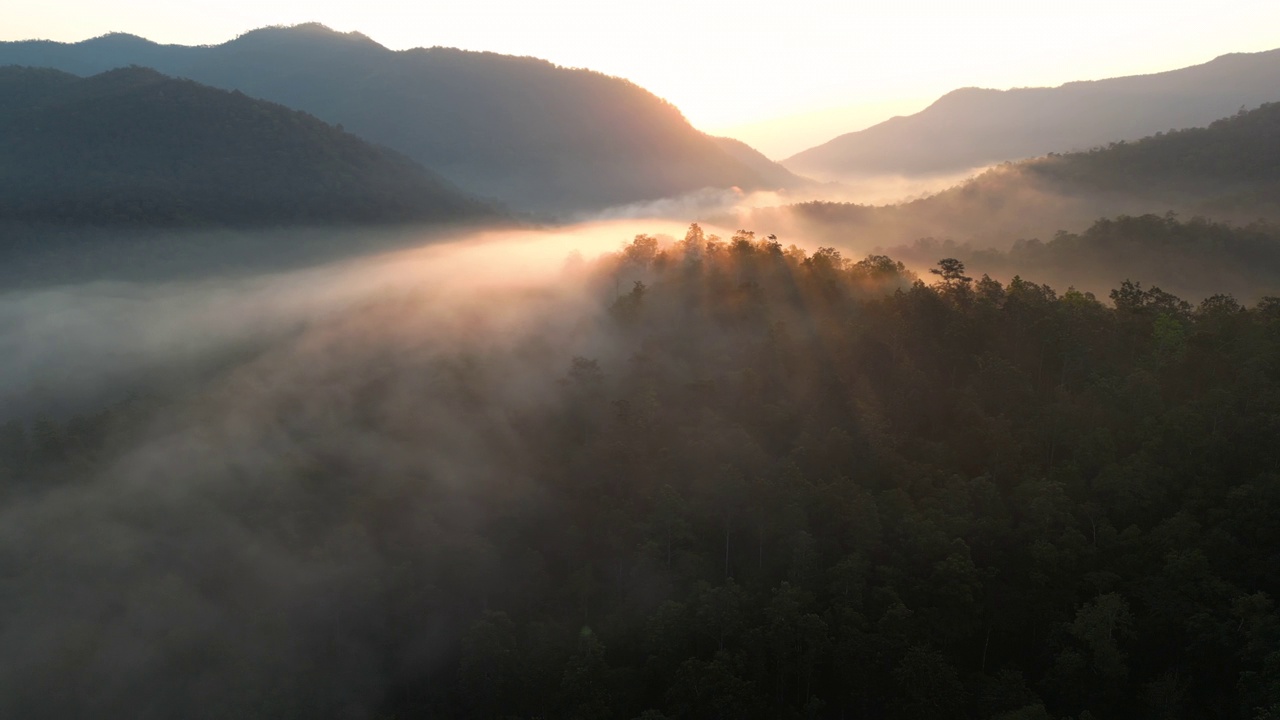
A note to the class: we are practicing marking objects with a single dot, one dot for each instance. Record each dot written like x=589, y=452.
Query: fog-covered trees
x=798, y=485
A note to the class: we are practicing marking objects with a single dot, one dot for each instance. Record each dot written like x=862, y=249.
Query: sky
x=782, y=76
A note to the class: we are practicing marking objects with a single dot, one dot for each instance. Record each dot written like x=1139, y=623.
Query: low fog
x=146, y=314
x=193, y=576
x=1020, y=220
x=437, y=480
x=991, y=209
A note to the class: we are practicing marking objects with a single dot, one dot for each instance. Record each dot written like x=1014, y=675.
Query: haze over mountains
x=132, y=146
x=562, y=142
x=532, y=135
x=281, y=439
x=973, y=127
x=1228, y=171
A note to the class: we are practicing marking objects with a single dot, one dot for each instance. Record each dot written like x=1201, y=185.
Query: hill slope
x=972, y=127
x=1229, y=171
x=772, y=173
x=534, y=135
x=134, y=146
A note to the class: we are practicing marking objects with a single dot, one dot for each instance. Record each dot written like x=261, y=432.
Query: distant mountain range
x=132, y=146
x=1228, y=171
x=535, y=136
x=974, y=127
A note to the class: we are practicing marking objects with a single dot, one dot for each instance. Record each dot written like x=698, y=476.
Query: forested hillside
x=521, y=130
x=132, y=146
x=774, y=484
x=1231, y=166
x=1226, y=171
x=1194, y=259
x=974, y=127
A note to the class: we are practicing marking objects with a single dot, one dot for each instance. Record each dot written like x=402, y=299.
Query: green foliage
x=811, y=487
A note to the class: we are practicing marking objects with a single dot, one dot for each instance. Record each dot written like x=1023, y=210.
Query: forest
x=741, y=480
x=1193, y=258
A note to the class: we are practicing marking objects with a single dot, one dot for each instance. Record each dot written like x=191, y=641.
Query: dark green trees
x=774, y=484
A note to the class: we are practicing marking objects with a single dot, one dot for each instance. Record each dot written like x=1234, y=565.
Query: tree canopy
x=802, y=486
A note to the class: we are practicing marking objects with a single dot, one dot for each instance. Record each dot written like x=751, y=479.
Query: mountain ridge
x=535, y=135
x=1228, y=171
x=133, y=146
x=973, y=127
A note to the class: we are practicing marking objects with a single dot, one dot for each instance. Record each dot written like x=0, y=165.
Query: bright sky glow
x=777, y=74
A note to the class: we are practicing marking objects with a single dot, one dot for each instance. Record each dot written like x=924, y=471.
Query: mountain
x=132, y=146
x=973, y=127
x=1230, y=167
x=536, y=136
x=774, y=174
x=1229, y=170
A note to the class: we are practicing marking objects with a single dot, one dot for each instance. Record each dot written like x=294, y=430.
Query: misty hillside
x=1229, y=170
x=972, y=127
x=773, y=174
x=133, y=146
x=521, y=130
x=1193, y=259
x=1233, y=165
x=758, y=483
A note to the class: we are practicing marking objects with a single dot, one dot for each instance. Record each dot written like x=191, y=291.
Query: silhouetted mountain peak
x=1229, y=171
x=970, y=127
x=118, y=39
x=965, y=94
x=535, y=135
x=288, y=38
x=1245, y=56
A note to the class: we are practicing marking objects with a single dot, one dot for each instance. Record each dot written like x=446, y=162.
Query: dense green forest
x=134, y=147
x=757, y=483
